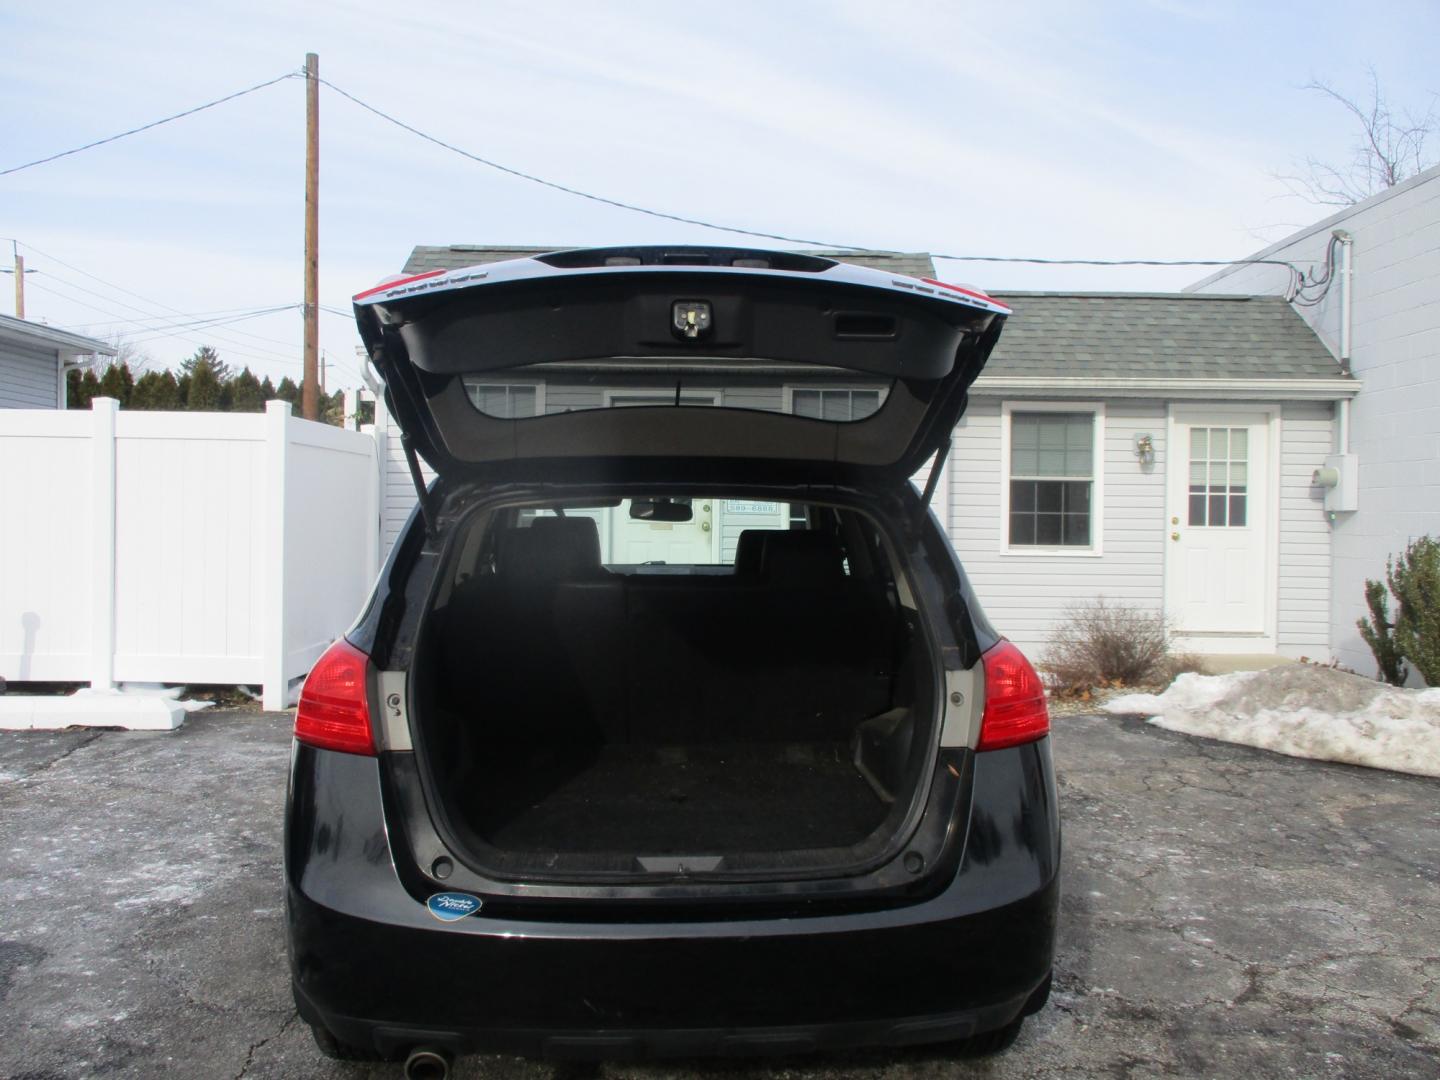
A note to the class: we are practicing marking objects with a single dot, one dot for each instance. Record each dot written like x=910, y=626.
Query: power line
x=152, y=124
x=164, y=318
x=570, y=190
x=243, y=348
x=102, y=281
x=190, y=336
x=148, y=299
x=1298, y=284
x=206, y=324
x=161, y=331
x=808, y=242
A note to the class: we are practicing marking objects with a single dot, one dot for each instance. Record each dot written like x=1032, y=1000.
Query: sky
x=1143, y=129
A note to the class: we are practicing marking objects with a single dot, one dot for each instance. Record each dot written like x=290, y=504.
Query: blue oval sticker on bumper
x=449, y=906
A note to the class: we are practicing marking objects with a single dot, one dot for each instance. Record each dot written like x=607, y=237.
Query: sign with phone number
x=733, y=507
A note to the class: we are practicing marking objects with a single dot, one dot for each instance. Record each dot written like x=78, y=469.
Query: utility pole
x=19, y=273
x=310, y=388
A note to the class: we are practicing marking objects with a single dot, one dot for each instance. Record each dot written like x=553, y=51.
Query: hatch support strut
x=418, y=479
x=932, y=481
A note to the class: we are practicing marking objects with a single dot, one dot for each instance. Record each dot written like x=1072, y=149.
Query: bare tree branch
x=1389, y=148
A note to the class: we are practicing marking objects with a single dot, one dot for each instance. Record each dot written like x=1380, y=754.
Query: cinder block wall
x=1396, y=354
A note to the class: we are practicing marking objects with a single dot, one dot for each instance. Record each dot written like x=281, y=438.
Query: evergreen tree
x=167, y=393
x=267, y=389
x=118, y=383
x=204, y=392
x=156, y=390
x=288, y=391
x=81, y=389
x=207, y=357
x=247, y=394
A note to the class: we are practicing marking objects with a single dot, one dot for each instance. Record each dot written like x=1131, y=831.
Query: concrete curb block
x=92, y=708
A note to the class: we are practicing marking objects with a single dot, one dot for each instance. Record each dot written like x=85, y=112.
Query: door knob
x=704, y=526
x=1175, y=536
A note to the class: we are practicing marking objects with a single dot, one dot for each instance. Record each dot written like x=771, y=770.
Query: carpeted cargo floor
x=697, y=799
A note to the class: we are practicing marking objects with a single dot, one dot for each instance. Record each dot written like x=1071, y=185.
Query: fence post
x=102, y=543
x=275, y=691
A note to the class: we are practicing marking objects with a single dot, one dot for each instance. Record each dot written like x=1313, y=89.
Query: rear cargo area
x=573, y=715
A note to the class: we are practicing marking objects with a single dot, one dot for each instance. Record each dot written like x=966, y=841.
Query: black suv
x=673, y=724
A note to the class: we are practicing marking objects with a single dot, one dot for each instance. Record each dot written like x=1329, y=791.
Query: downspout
x=76, y=362
x=1347, y=242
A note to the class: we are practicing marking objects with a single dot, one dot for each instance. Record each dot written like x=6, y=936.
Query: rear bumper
x=374, y=967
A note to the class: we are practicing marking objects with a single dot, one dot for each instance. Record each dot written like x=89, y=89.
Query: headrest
x=552, y=548
x=749, y=551
x=802, y=557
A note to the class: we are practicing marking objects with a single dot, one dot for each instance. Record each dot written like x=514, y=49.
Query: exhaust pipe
x=427, y=1063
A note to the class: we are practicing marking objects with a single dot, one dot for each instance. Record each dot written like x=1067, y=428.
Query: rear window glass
x=832, y=394
x=635, y=534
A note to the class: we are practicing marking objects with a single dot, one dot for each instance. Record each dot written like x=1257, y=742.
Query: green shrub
x=1378, y=632
x=1414, y=578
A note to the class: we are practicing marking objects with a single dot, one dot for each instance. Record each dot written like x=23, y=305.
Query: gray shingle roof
x=458, y=256
x=1158, y=335
x=1101, y=335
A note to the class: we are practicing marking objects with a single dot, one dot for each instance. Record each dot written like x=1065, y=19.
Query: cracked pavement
x=1226, y=912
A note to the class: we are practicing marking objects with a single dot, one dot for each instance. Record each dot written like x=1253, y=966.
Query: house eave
x=69, y=346
x=1168, y=388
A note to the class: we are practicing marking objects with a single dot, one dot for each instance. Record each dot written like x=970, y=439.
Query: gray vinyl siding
x=560, y=398
x=397, y=491
x=29, y=377
x=1025, y=595
x=769, y=398
x=1303, y=617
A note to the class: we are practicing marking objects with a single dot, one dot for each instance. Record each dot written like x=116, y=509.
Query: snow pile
x=1304, y=711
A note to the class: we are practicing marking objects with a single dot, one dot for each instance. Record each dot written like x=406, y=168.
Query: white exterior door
x=685, y=542
x=696, y=541
x=1218, y=577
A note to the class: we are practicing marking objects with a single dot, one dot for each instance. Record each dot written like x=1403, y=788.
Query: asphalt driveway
x=1227, y=912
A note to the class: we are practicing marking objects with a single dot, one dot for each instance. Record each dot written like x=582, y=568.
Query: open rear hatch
x=768, y=711
x=763, y=364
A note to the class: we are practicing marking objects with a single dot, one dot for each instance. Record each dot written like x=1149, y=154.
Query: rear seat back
x=799, y=652
x=543, y=632
x=550, y=549
x=793, y=649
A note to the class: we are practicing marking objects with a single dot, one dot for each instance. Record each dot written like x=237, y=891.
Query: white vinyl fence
x=180, y=547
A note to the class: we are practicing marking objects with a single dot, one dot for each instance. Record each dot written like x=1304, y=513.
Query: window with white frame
x=834, y=404
x=1219, y=476
x=505, y=400
x=1052, y=479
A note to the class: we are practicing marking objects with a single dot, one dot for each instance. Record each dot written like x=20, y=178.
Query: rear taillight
x=334, y=712
x=1015, y=710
